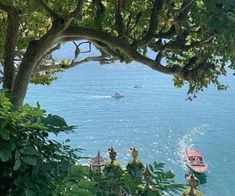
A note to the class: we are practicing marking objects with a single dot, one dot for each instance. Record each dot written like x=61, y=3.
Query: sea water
x=156, y=118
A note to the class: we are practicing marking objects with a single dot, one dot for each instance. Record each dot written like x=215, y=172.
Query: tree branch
x=105, y=49
x=77, y=50
x=45, y=68
x=118, y=18
x=137, y=19
x=100, y=9
x=154, y=19
x=87, y=59
x=179, y=46
x=51, y=12
x=77, y=12
x=185, y=8
x=166, y=35
x=153, y=24
x=49, y=52
x=181, y=14
x=158, y=57
x=114, y=42
x=190, y=65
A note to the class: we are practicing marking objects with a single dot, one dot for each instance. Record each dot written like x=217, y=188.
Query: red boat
x=195, y=161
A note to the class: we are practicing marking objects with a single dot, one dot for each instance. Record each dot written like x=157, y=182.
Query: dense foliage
x=194, y=41
x=116, y=181
x=30, y=162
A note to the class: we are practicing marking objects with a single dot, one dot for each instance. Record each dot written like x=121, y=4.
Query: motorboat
x=117, y=95
x=137, y=86
x=195, y=161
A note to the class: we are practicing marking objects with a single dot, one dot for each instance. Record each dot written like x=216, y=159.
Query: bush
x=115, y=181
x=30, y=162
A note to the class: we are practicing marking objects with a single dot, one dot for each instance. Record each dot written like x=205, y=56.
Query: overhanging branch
x=177, y=46
x=61, y=66
x=114, y=42
x=49, y=52
x=78, y=51
x=87, y=59
x=105, y=49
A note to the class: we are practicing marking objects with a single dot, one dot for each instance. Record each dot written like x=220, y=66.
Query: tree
x=196, y=38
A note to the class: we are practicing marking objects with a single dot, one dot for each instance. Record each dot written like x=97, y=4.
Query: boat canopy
x=193, y=153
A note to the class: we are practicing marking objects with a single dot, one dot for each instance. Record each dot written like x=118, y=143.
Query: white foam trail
x=187, y=141
x=100, y=97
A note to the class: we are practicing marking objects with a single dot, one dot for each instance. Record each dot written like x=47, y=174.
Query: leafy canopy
x=196, y=39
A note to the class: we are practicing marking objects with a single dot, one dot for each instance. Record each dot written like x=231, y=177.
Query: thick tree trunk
x=35, y=51
x=33, y=54
x=9, y=49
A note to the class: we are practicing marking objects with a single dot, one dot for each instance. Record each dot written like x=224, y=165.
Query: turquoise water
x=155, y=118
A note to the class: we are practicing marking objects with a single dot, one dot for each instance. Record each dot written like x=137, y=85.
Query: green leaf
x=78, y=191
x=151, y=168
x=38, y=105
x=158, y=166
x=29, y=192
x=55, y=120
x=17, y=154
x=4, y=133
x=31, y=160
x=85, y=184
x=3, y=124
x=5, y=152
x=170, y=175
x=29, y=150
x=17, y=164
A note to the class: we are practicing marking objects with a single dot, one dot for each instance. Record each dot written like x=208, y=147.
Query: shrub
x=30, y=162
x=115, y=181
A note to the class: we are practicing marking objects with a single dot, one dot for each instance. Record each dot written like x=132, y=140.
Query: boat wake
x=186, y=141
x=100, y=97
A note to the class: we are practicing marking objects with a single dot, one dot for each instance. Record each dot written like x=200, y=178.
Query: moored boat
x=195, y=161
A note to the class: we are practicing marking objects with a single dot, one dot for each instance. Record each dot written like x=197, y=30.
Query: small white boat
x=117, y=95
x=137, y=86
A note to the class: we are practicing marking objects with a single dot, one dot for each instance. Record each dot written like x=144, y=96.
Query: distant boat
x=195, y=161
x=137, y=86
x=117, y=95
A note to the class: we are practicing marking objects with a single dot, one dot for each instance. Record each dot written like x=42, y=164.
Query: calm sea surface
x=156, y=118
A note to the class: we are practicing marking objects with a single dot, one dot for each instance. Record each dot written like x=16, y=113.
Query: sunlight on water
x=155, y=118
